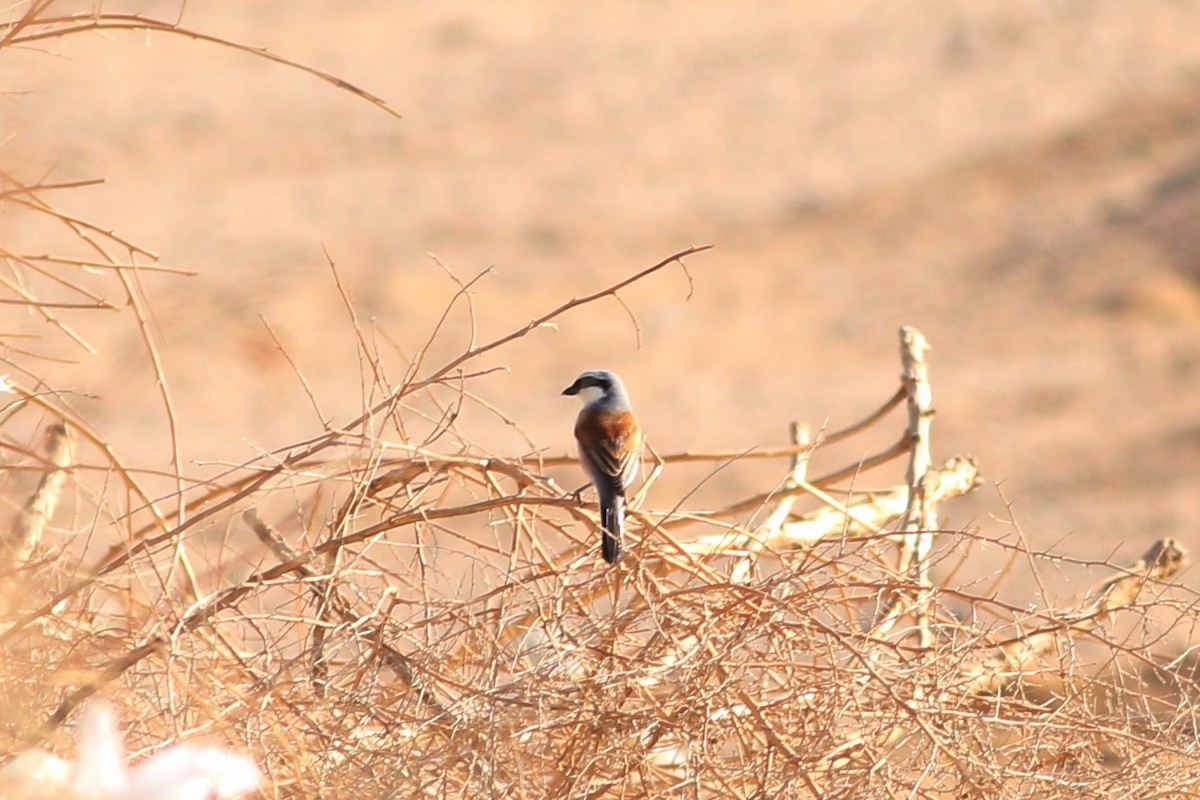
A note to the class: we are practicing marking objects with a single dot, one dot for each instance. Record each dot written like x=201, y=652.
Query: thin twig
x=334, y=600
x=1018, y=657
x=44, y=28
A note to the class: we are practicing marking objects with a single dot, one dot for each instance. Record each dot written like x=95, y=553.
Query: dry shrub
x=382, y=615
x=382, y=644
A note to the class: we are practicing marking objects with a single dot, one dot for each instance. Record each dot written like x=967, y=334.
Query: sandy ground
x=1019, y=179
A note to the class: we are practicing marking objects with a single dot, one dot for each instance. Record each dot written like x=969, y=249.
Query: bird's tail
x=612, y=520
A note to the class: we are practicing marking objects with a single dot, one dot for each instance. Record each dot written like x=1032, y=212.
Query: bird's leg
x=578, y=493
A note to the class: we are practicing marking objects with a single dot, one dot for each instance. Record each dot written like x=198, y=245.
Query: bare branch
x=1019, y=657
x=35, y=515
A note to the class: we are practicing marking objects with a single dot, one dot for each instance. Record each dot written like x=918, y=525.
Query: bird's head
x=596, y=385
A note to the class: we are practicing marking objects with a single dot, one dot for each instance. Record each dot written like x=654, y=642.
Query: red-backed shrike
x=610, y=448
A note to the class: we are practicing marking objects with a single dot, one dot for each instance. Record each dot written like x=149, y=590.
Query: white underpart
x=591, y=394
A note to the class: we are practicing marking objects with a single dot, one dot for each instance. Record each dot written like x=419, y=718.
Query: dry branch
x=920, y=517
x=34, y=27
x=1019, y=657
x=867, y=513
x=873, y=511
x=336, y=601
x=38, y=510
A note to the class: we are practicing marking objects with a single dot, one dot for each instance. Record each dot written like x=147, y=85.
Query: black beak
x=572, y=389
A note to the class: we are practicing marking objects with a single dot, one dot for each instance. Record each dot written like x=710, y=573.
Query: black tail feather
x=612, y=520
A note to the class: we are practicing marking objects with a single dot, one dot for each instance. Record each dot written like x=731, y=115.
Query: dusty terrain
x=1017, y=179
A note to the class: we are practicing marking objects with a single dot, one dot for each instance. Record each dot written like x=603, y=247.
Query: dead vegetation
x=385, y=610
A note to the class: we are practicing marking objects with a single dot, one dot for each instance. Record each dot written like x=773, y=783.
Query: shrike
x=610, y=448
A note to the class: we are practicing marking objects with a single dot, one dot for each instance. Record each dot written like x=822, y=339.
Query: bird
x=610, y=449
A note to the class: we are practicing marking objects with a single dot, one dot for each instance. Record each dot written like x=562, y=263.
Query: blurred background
x=1020, y=179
